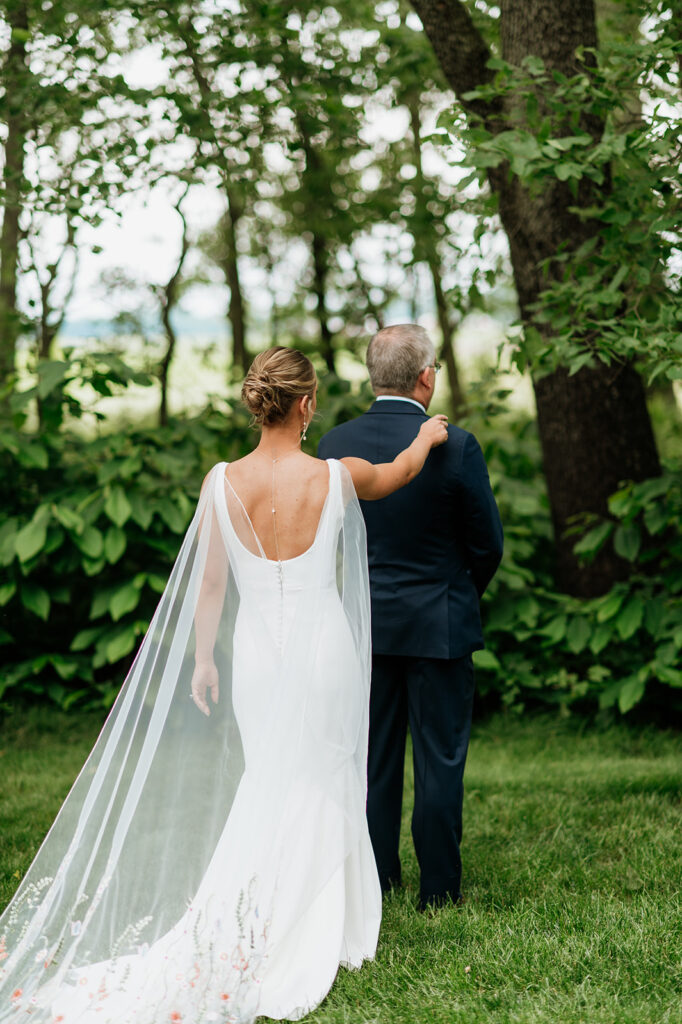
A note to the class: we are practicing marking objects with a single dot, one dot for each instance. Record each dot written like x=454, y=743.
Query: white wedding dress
x=216, y=869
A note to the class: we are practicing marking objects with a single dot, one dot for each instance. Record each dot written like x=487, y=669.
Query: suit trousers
x=435, y=696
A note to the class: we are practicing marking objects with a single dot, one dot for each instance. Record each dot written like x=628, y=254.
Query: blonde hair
x=276, y=378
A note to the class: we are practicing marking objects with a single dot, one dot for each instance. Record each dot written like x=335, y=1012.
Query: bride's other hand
x=435, y=430
x=205, y=677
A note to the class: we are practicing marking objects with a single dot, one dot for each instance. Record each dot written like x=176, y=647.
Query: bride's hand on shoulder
x=373, y=481
x=435, y=430
x=204, y=678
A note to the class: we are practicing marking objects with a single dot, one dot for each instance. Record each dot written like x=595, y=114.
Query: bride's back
x=301, y=485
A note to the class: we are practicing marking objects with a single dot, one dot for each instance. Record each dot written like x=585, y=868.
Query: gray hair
x=396, y=356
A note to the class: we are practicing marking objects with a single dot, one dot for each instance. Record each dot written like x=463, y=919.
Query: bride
x=212, y=861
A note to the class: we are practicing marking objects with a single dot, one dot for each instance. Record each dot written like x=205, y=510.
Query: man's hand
x=205, y=677
x=435, y=430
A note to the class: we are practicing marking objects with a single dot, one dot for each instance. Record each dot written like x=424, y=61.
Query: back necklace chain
x=274, y=461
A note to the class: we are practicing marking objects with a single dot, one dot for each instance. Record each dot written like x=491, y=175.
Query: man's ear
x=423, y=378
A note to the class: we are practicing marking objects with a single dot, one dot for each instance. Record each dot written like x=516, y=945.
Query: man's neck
x=401, y=398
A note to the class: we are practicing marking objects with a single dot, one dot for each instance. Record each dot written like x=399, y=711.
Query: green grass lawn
x=573, y=873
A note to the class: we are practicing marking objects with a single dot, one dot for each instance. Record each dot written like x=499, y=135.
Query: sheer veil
x=163, y=890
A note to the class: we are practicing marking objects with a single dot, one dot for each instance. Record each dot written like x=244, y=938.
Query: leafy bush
x=544, y=647
x=91, y=526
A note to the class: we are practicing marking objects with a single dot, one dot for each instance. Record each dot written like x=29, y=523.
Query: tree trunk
x=188, y=33
x=594, y=426
x=15, y=75
x=171, y=342
x=447, y=349
x=169, y=299
x=318, y=244
x=319, y=251
x=235, y=313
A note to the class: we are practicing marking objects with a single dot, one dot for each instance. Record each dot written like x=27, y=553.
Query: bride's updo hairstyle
x=276, y=378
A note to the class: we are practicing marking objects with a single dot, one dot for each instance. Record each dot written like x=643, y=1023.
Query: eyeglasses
x=434, y=366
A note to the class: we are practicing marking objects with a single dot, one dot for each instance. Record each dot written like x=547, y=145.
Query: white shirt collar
x=400, y=398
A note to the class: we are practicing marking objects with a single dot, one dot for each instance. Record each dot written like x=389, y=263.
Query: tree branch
x=461, y=50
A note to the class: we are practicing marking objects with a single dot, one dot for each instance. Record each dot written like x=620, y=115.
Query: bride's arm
x=377, y=481
x=207, y=613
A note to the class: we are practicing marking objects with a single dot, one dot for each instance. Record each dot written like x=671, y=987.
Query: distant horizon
x=188, y=323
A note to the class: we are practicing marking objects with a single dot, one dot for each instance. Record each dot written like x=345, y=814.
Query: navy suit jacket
x=434, y=545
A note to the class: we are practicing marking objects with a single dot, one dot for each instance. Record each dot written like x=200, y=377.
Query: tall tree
x=324, y=75
x=16, y=91
x=594, y=423
x=73, y=142
x=215, y=106
x=168, y=294
x=427, y=201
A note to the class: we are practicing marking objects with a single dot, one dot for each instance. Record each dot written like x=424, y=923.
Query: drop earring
x=305, y=428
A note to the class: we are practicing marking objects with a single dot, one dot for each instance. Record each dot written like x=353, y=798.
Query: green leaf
x=620, y=503
x=31, y=539
x=114, y=543
x=121, y=645
x=654, y=615
x=564, y=171
x=598, y=673
x=56, y=693
x=609, y=607
x=666, y=654
x=68, y=517
x=666, y=674
x=8, y=533
x=578, y=633
x=90, y=541
x=609, y=696
x=580, y=361
x=556, y=629
x=631, y=692
x=626, y=541
x=93, y=567
x=527, y=610
x=630, y=618
x=65, y=669
x=72, y=698
x=117, y=506
x=486, y=660
x=569, y=141
x=656, y=519
x=85, y=638
x=141, y=510
x=157, y=583
x=50, y=375
x=32, y=456
x=36, y=600
x=593, y=540
x=124, y=600
x=601, y=637
x=171, y=515
x=100, y=603
x=7, y=591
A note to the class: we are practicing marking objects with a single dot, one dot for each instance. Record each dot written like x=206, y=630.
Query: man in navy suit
x=433, y=547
